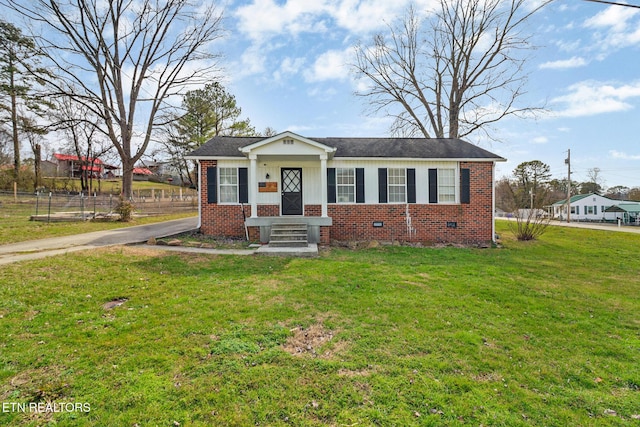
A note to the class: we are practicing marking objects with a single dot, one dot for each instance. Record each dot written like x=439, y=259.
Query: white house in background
x=584, y=207
x=626, y=212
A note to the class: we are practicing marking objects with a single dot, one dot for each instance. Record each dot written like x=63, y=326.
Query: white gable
x=289, y=144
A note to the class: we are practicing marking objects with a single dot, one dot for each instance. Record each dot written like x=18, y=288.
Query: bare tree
x=595, y=184
x=269, y=132
x=124, y=59
x=456, y=71
x=78, y=126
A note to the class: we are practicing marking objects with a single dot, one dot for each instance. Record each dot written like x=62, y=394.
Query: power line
x=614, y=3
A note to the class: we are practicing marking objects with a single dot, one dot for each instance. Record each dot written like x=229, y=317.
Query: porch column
x=253, y=185
x=323, y=184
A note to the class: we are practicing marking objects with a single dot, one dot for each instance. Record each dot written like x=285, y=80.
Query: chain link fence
x=56, y=207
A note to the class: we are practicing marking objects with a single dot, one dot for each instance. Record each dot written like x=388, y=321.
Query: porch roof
x=413, y=148
x=624, y=207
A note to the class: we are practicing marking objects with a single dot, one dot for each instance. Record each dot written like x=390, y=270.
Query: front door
x=291, y=191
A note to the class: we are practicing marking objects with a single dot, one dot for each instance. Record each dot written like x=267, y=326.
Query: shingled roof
x=414, y=148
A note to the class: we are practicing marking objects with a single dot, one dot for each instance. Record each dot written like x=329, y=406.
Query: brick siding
x=424, y=223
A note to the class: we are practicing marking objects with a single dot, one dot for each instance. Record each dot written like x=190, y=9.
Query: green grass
x=540, y=333
x=18, y=228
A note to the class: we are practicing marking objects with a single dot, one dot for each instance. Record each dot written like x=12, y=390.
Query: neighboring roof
x=579, y=197
x=74, y=158
x=624, y=207
x=420, y=148
x=573, y=199
x=142, y=171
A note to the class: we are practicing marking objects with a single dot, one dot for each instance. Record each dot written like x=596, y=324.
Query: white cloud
x=613, y=17
x=540, y=140
x=615, y=27
x=253, y=61
x=623, y=156
x=322, y=94
x=366, y=16
x=573, y=62
x=590, y=98
x=264, y=18
x=288, y=67
x=331, y=65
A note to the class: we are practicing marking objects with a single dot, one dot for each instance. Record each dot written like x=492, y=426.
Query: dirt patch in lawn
x=309, y=341
x=114, y=303
x=37, y=385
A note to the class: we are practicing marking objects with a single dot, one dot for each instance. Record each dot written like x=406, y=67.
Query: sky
x=286, y=62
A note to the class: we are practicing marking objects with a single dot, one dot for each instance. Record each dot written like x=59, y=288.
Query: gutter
x=199, y=195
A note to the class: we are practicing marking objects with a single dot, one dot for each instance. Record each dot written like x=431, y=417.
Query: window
x=588, y=210
x=396, y=181
x=446, y=185
x=228, y=185
x=345, y=185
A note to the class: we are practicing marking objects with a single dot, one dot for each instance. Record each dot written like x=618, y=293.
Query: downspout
x=199, y=194
x=244, y=221
x=493, y=202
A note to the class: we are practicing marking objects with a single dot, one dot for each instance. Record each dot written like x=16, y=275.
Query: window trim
x=221, y=185
x=352, y=186
x=403, y=185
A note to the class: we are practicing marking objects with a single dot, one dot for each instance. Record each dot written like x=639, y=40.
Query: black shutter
x=359, y=185
x=382, y=185
x=433, y=185
x=331, y=185
x=211, y=184
x=243, y=185
x=411, y=185
x=465, y=186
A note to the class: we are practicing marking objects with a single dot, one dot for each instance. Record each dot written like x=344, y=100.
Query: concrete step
x=288, y=243
x=288, y=231
x=288, y=235
x=286, y=227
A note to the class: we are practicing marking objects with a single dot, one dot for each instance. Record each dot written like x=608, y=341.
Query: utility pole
x=568, y=163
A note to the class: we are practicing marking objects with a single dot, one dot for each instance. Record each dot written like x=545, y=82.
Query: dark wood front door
x=291, y=191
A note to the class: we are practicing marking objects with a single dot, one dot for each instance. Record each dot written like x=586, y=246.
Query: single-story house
x=346, y=189
x=627, y=212
x=584, y=207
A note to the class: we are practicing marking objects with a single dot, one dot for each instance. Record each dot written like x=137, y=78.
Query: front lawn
x=540, y=333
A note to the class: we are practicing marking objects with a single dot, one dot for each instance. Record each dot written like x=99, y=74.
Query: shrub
x=529, y=224
x=124, y=208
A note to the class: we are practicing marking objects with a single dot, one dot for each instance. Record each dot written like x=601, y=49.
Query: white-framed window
x=446, y=185
x=228, y=185
x=588, y=210
x=397, y=185
x=345, y=185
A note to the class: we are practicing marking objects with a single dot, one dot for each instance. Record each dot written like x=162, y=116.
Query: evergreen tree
x=208, y=112
x=19, y=74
